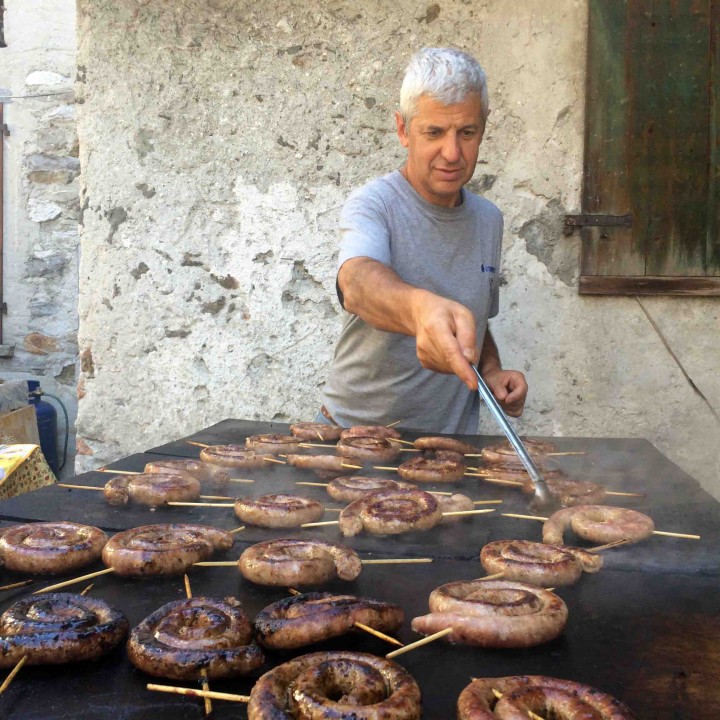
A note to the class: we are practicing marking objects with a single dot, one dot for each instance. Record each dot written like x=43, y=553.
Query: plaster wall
x=218, y=140
x=41, y=208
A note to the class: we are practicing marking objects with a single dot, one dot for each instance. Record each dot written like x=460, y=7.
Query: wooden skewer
x=202, y=445
x=216, y=497
x=118, y=472
x=78, y=487
x=309, y=444
x=267, y=458
x=524, y=517
x=677, y=535
x=494, y=576
x=313, y=484
x=237, y=530
x=12, y=674
x=216, y=563
x=319, y=524
x=378, y=634
x=607, y=546
x=88, y=589
x=473, y=454
x=240, y=480
x=348, y=465
x=424, y=641
x=567, y=452
x=468, y=512
x=410, y=450
x=319, y=434
x=198, y=504
x=211, y=694
x=16, y=585
x=624, y=494
x=487, y=502
x=293, y=591
x=74, y=580
x=203, y=672
x=439, y=492
x=530, y=713
x=384, y=467
x=404, y=442
x=392, y=424
x=396, y=561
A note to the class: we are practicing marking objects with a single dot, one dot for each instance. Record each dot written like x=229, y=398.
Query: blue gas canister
x=47, y=425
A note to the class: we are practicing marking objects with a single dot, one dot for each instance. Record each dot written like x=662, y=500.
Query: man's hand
x=509, y=388
x=446, y=337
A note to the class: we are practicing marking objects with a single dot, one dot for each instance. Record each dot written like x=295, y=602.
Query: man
x=418, y=268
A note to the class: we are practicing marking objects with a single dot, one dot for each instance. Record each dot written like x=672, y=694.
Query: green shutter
x=651, y=147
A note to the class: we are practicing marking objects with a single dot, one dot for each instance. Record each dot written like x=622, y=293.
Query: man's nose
x=451, y=148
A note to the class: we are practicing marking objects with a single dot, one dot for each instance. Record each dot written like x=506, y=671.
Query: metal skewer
x=543, y=496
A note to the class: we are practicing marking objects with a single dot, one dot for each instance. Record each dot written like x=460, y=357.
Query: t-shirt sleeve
x=495, y=277
x=363, y=228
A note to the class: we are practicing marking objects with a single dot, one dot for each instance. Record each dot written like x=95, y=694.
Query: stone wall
x=218, y=140
x=41, y=207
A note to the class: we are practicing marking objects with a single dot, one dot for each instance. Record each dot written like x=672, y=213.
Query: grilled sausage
x=313, y=617
x=421, y=469
x=599, y=524
x=267, y=444
x=536, y=563
x=50, y=547
x=278, y=511
x=163, y=549
x=570, y=492
x=454, y=503
x=376, y=431
x=151, y=489
x=544, y=696
x=445, y=443
x=294, y=563
x=201, y=471
x=494, y=613
x=185, y=637
x=342, y=684
x=390, y=512
x=368, y=448
x=348, y=489
x=315, y=431
x=231, y=456
x=323, y=465
x=56, y=628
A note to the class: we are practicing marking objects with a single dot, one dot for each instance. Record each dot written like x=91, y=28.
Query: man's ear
x=402, y=130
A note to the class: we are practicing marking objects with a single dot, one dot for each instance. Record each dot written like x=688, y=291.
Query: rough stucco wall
x=41, y=242
x=218, y=141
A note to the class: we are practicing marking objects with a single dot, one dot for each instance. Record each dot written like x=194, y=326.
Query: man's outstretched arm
x=444, y=330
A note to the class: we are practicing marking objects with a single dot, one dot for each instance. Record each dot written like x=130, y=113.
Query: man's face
x=442, y=142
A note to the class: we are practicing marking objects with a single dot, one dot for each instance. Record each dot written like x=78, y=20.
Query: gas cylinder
x=47, y=425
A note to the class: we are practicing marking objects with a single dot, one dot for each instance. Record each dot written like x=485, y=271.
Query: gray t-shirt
x=454, y=252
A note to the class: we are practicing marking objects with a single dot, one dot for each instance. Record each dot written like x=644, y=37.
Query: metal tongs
x=543, y=498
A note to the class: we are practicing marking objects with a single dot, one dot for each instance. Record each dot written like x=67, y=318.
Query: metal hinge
x=578, y=221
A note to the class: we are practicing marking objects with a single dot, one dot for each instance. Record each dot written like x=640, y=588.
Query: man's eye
x=434, y=133
x=468, y=133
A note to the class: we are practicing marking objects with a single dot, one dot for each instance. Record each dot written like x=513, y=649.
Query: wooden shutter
x=652, y=147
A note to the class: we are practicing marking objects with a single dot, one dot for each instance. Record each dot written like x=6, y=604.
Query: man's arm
x=508, y=386
x=444, y=330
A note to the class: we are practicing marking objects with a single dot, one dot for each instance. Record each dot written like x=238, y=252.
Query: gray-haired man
x=418, y=267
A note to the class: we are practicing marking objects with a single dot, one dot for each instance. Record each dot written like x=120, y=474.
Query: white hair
x=446, y=75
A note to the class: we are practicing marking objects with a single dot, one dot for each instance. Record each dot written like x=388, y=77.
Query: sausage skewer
x=654, y=532
x=203, y=673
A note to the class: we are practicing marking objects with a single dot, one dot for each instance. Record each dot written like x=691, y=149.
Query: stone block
x=41, y=211
x=51, y=177
x=39, y=344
